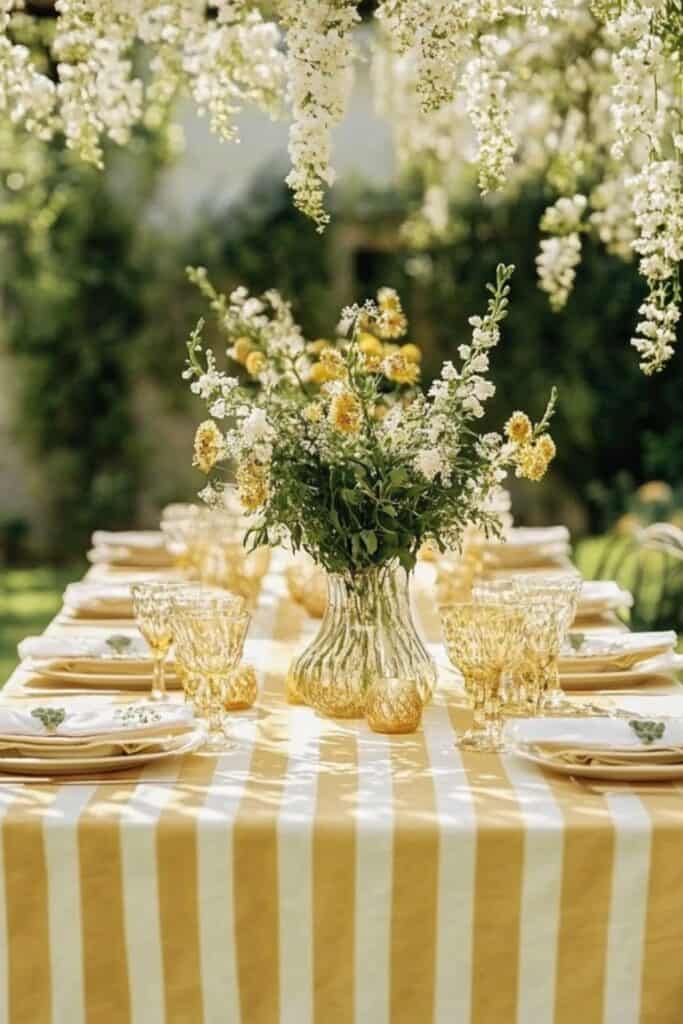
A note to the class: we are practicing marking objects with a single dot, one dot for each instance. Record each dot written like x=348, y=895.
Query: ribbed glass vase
x=367, y=634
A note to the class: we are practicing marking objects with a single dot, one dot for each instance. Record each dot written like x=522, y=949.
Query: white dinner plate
x=83, y=765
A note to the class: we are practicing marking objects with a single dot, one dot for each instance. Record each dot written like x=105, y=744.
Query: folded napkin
x=536, y=536
x=131, y=539
x=119, y=555
x=100, y=600
x=602, y=596
x=596, y=652
x=115, y=649
x=600, y=740
x=63, y=730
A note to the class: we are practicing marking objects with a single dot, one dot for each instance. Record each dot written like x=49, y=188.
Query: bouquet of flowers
x=335, y=448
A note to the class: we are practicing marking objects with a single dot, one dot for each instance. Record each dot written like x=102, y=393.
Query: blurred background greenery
x=96, y=309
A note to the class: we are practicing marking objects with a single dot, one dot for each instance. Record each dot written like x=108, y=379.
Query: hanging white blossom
x=585, y=94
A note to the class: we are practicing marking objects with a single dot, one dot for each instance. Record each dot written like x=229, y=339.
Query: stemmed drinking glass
x=152, y=606
x=186, y=598
x=460, y=641
x=559, y=593
x=485, y=642
x=211, y=637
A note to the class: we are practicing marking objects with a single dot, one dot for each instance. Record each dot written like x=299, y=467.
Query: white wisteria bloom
x=578, y=93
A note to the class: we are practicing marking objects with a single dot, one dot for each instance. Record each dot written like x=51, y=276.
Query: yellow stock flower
x=411, y=352
x=398, y=369
x=531, y=463
x=392, y=324
x=209, y=446
x=518, y=428
x=241, y=349
x=388, y=300
x=370, y=345
x=316, y=347
x=256, y=361
x=345, y=413
x=546, y=447
x=252, y=484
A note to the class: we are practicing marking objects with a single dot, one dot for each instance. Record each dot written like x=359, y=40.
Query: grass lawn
x=29, y=598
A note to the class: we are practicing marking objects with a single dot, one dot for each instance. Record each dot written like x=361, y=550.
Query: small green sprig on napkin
x=118, y=643
x=647, y=731
x=51, y=718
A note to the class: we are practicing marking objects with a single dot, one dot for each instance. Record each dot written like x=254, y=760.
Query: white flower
x=256, y=427
x=556, y=264
x=483, y=389
x=428, y=463
x=218, y=410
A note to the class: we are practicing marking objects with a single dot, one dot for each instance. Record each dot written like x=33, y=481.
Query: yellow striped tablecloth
x=321, y=874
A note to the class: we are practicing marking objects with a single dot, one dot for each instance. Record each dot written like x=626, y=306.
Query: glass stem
x=478, y=704
x=158, y=678
x=215, y=714
x=554, y=694
x=492, y=709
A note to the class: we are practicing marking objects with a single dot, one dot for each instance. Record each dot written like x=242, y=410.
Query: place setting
x=607, y=749
x=52, y=739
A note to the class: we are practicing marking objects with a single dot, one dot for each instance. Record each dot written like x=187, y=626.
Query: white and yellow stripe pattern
x=320, y=874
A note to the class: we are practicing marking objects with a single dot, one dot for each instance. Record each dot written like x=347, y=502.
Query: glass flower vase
x=367, y=634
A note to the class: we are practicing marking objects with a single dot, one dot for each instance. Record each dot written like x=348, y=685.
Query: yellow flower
x=330, y=367
x=545, y=446
x=388, y=300
x=392, y=324
x=400, y=370
x=365, y=321
x=654, y=492
x=209, y=446
x=380, y=410
x=370, y=345
x=313, y=412
x=316, y=347
x=318, y=374
x=345, y=413
x=252, y=484
x=241, y=349
x=412, y=353
x=531, y=464
x=256, y=361
x=518, y=428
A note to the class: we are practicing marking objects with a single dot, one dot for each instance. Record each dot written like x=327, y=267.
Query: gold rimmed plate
x=638, y=771
x=82, y=765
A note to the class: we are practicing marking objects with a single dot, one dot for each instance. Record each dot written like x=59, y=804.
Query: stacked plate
x=98, y=600
x=599, y=603
x=98, y=662
x=63, y=739
x=619, y=661
x=130, y=548
x=602, y=748
x=526, y=548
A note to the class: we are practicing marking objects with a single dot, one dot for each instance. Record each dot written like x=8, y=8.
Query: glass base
x=159, y=695
x=217, y=744
x=483, y=741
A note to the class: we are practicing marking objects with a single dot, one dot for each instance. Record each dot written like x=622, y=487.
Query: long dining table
x=318, y=873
